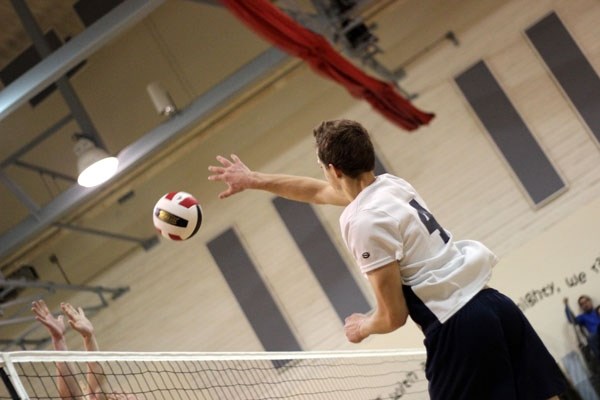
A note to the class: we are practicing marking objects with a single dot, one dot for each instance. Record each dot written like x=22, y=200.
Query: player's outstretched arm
x=239, y=177
x=68, y=387
x=79, y=322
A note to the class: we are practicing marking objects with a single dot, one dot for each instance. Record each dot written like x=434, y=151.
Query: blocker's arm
x=79, y=322
x=68, y=387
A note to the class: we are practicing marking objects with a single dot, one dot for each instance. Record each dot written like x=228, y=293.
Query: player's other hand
x=78, y=320
x=352, y=327
x=55, y=326
x=233, y=172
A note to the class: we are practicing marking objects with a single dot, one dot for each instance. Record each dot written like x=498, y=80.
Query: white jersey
x=388, y=221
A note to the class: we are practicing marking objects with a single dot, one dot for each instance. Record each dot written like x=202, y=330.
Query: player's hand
x=234, y=173
x=352, y=327
x=78, y=320
x=55, y=326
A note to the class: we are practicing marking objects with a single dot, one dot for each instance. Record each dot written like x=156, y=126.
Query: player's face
x=586, y=304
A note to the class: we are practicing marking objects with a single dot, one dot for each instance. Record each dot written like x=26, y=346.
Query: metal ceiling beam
x=145, y=243
x=20, y=194
x=64, y=86
x=215, y=3
x=35, y=141
x=72, y=53
x=45, y=171
x=152, y=141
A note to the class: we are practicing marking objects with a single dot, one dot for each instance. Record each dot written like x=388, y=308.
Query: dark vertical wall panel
x=251, y=293
x=322, y=257
x=569, y=66
x=507, y=129
x=379, y=168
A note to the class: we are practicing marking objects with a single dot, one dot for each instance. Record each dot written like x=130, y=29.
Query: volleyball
x=177, y=216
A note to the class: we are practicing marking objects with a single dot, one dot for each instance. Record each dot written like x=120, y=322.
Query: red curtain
x=281, y=30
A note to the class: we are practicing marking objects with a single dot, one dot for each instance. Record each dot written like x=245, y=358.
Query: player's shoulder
x=379, y=201
x=375, y=216
x=393, y=181
x=389, y=194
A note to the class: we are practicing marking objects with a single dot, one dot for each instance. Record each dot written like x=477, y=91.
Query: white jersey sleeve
x=373, y=239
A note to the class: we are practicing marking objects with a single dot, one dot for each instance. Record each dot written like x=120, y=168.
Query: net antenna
x=361, y=375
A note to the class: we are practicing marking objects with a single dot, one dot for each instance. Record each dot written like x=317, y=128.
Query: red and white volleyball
x=177, y=216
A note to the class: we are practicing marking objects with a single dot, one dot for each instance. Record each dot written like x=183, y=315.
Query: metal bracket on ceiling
x=45, y=171
x=146, y=243
x=340, y=23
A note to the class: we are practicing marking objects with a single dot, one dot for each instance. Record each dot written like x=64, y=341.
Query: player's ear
x=338, y=172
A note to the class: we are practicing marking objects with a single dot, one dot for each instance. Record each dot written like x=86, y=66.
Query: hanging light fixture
x=162, y=100
x=95, y=165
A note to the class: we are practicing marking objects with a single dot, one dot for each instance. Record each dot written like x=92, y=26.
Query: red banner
x=278, y=28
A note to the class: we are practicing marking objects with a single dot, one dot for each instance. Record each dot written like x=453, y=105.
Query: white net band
x=361, y=375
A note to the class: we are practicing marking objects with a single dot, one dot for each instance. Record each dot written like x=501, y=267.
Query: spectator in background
x=589, y=318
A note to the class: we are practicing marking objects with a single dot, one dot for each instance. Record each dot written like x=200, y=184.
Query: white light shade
x=95, y=166
x=99, y=172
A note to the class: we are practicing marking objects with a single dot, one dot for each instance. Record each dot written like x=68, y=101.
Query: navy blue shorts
x=488, y=350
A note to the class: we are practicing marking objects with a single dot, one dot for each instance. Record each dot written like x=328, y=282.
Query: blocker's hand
x=77, y=319
x=234, y=173
x=55, y=326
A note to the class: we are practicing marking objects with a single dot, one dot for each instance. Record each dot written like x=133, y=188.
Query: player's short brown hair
x=346, y=145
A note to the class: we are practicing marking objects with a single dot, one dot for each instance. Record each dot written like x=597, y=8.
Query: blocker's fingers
x=39, y=308
x=224, y=161
x=235, y=158
x=69, y=310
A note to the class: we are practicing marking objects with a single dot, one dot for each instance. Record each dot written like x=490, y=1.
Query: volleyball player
x=479, y=344
x=68, y=386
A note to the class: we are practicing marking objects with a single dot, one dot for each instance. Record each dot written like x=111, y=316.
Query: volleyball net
x=361, y=375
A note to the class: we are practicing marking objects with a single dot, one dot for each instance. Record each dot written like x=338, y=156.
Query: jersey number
x=429, y=221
